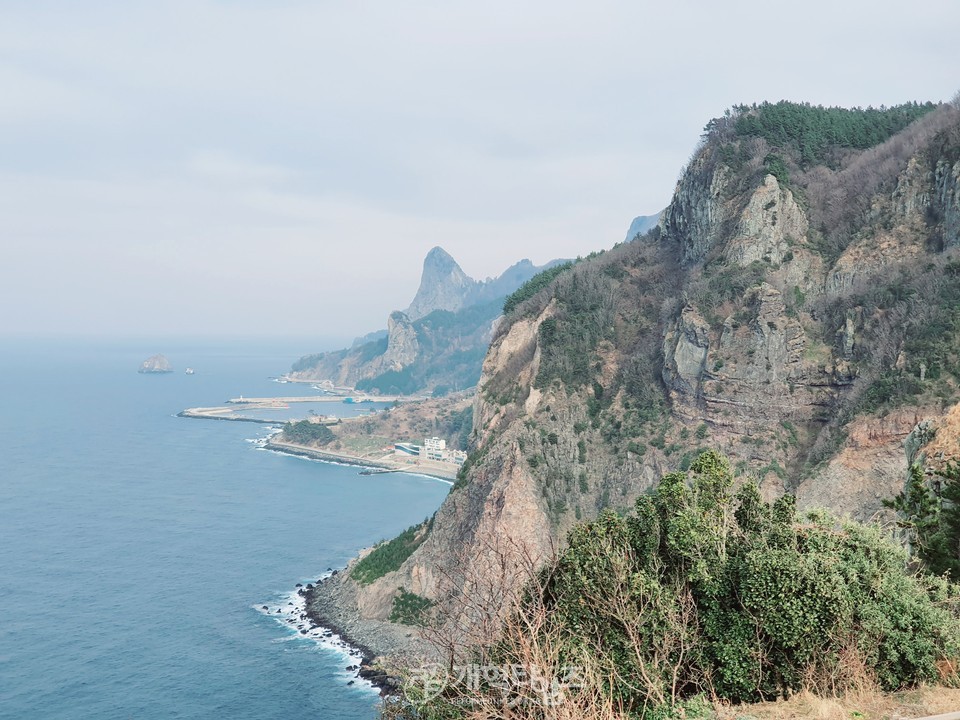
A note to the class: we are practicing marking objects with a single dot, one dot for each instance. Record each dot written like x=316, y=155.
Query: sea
x=144, y=556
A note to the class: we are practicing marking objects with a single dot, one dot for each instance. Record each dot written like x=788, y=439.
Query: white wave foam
x=292, y=616
x=268, y=432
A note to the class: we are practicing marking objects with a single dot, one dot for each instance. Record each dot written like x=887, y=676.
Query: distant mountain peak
x=443, y=285
x=642, y=224
x=415, y=353
x=438, y=255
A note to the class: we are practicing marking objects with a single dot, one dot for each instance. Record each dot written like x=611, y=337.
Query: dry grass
x=860, y=705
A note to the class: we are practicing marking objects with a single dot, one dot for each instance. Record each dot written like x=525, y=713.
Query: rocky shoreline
x=331, y=605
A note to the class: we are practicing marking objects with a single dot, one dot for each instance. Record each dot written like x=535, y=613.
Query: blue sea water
x=136, y=546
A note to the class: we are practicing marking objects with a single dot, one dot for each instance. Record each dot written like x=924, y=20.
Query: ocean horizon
x=138, y=548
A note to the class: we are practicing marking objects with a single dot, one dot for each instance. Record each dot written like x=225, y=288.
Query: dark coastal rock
x=331, y=609
x=299, y=584
x=264, y=608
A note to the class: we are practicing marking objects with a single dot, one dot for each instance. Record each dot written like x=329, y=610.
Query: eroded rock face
x=695, y=218
x=770, y=226
x=898, y=231
x=443, y=285
x=947, y=184
x=402, y=345
x=155, y=364
x=869, y=467
x=685, y=349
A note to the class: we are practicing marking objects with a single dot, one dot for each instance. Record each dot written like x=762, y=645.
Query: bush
x=700, y=591
x=532, y=286
x=304, y=431
x=409, y=608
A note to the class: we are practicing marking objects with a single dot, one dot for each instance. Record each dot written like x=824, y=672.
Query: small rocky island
x=156, y=364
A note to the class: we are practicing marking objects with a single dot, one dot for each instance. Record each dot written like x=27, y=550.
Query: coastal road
x=324, y=398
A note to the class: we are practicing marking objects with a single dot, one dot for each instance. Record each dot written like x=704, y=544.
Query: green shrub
x=409, y=608
x=532, y=286
x=699, y=590
x=305, y=431
x=584, y=482
x=637, y=448
x=390, y=554
x=777, y=167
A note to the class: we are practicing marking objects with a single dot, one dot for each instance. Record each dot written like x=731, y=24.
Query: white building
x=434, y=449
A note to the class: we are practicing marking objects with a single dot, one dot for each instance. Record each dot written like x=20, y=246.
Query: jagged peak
x=438, y=257
x=443, y=284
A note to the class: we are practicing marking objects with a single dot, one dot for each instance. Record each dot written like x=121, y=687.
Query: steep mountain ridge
x=803, y=339
x=443, y=285
x=437, y=344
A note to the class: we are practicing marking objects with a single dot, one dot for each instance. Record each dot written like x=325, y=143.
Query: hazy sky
x=282, y=167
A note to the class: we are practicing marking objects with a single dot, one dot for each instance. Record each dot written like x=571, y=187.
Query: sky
x=243, y=167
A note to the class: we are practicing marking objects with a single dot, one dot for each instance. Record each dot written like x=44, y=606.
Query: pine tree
x=919, y=511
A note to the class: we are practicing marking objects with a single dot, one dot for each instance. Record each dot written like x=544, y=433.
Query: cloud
x=212, y=153
x=226, y=167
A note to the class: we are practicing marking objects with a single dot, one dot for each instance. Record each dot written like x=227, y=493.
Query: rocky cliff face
x=443, y=285
x=804, y=341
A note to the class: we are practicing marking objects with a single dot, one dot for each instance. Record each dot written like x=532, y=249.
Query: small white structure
x=434, y=449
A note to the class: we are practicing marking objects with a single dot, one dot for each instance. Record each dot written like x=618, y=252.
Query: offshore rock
x=155, y=364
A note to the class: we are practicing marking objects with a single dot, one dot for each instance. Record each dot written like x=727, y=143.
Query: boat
x=188, y=371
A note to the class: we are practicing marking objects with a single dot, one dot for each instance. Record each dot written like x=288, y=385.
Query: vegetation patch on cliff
x=533, y=286
x=816, y=132
x=409, y=608
x=390, y=554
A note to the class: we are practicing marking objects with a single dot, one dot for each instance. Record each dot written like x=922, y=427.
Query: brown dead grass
x=861, y=705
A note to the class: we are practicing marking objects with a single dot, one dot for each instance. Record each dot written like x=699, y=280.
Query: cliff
x=436, y=344
x=794, y=308
x=443, y=285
